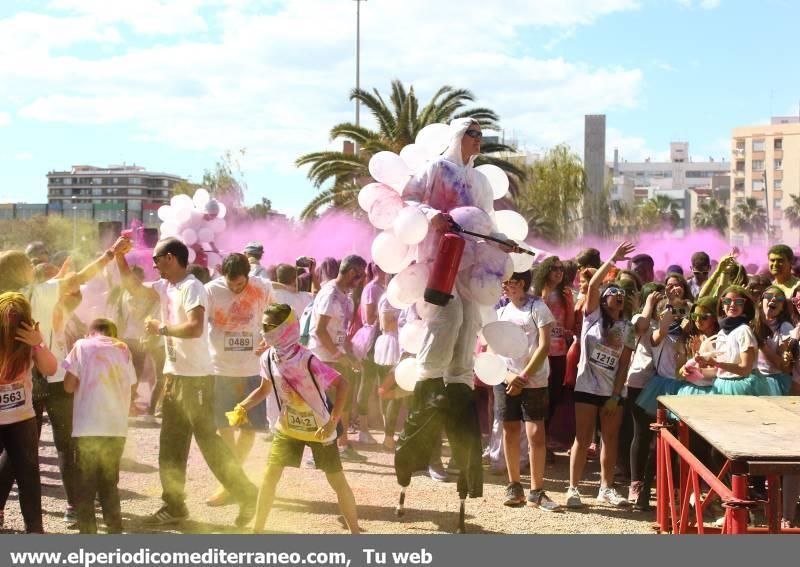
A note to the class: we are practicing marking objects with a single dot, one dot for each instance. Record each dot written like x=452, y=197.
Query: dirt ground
x=305, y=503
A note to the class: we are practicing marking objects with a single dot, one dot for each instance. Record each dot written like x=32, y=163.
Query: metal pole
x=358, y=64
x=74, y=226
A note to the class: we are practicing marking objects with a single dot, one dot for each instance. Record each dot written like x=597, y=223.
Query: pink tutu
x=387, y=350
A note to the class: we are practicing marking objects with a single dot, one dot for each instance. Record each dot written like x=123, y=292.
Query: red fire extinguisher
x=439, y=290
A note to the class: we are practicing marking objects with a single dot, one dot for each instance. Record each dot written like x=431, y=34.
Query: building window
x=135, y=180
x=758, y=185
x=738, y=186
x=97, y=192
x=134, y=191
x=778, y=164
x=777, y=184
x=777, y=204
x=758, y=165
x=165, y=193
x=740, y=166
x=67, y=181
x=164, y=183
x=115, y=180
x=778, y=143
x=758, y=145
x=97, y=181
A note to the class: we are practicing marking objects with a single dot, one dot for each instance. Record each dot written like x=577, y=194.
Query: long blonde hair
x=15, y=356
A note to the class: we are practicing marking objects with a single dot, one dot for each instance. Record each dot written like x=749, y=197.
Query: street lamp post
x=74, y=225
x=358, y=63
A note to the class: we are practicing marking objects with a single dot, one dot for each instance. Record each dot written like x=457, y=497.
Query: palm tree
x=663, y=210
x=792, y=212
x=750, y=217
x=397, y=126
x=712, y=214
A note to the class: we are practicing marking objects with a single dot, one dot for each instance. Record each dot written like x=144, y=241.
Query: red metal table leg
x=774, y=504
x=661, y=477
x=738, y=515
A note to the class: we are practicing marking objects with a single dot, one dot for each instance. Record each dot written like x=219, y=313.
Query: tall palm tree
x=663, y=210
x=712, y=214
x=398, y=124
x=792, y=212
x=750, y=217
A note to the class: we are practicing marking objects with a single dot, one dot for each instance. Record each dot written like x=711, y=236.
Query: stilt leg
x=462, y=529
x=400, y=510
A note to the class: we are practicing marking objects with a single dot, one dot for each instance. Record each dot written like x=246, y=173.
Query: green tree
x=792, y=212
x=225, y=181
x=750, y=217
x=551, y=194
x=661, y=211
x=712, y=214
x=261, y=210
x=398, y=124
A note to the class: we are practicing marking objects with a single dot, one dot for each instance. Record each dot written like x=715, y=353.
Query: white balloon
x=411, y=336
x=393, y=296
x=506, y=339
x=183, y=216
x=189, y=236
x=205, y=234
x=497, y=179
x=192, y=255
x=384, y=211
x=181, y=202
x=213, y=260
x=405, y=374
x=522, y=262
x=411, y=225
x=415, y=157
x=488, y=314
x=485, y=279
x=434, y=138
x=222, y=211
x=400, y=186
x=168, y=229
x=389, y=253
x=411, y=282
x=512, y=224
x=424, y=309
x=165, y=213
x=200, y=198
x=217, y=225
x=468, y=257
x=371, y=193
x=389, y=168
x=472, y=219
x=490, y=368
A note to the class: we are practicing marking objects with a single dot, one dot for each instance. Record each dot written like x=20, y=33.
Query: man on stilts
x=444, y=394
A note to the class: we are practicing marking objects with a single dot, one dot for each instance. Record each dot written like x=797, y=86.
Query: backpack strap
x=272, y=378
x=314, y=380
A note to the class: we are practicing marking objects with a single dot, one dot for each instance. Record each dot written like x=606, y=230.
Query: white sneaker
x=574, y=498
x=365, y=438
x=608, y=495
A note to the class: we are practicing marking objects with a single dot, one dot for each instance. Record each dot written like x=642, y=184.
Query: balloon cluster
x=483, y=267
x=196, y=220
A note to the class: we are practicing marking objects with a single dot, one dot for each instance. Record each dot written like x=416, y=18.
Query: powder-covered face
x=282, y=336
x=772, y=302
x=703, y=320
x=733, y=304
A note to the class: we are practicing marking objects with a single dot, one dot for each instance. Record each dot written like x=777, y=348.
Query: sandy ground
x=306, y=504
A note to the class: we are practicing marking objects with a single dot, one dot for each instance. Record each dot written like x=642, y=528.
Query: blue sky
x=173, y=84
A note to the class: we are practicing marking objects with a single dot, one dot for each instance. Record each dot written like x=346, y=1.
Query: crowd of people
x=309, y=351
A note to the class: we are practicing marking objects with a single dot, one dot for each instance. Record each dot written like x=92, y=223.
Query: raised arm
x=131, y=283
x=593, y=293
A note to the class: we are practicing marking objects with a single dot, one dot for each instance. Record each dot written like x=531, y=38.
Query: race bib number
x=172, y=354
x=301, y=421
x=557, y=332
x=238, y=342
x=12, y=396
x=604, y=357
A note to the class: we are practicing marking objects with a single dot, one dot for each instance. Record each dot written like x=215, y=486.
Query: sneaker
x=539, y=499
x=574, y=498
x=515, y=495
x=163, y=517
x=70, y=516
x=351, y=455
x=608, y=495
x=437, y=473
x=366, y=438
x=635, y=490
x=247, y=511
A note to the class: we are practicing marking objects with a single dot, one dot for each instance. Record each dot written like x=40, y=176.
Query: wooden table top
x=743, y=428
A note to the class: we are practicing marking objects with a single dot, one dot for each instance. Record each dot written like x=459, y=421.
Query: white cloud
x=663, y=65
x=275, y=83
x=704, y=4
x=5, y=118
x=23, y=156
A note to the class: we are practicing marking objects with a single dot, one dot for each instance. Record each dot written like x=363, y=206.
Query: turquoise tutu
x=775, y=385
x=658, y=386
x=750, y=386
x=691, y=389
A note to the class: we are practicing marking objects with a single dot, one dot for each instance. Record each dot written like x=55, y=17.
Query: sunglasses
x=700, y=272
x=679, y=311
x=157, y=256
x=738, y=302
x=557, y=269
x=700, y=316
x=614, y=291
x=771, y=296
x=474, y=134
x=267, y=327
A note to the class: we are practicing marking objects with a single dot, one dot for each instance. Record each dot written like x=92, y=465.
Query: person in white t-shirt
x=188, y=408
x=284, y=290
x=235, y=304
x=332, y=312
x=100, y=373
x=607, y=342
x=524, y=396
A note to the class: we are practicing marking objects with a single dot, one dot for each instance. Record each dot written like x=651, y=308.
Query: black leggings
x=642, y=437
x=20, y=460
